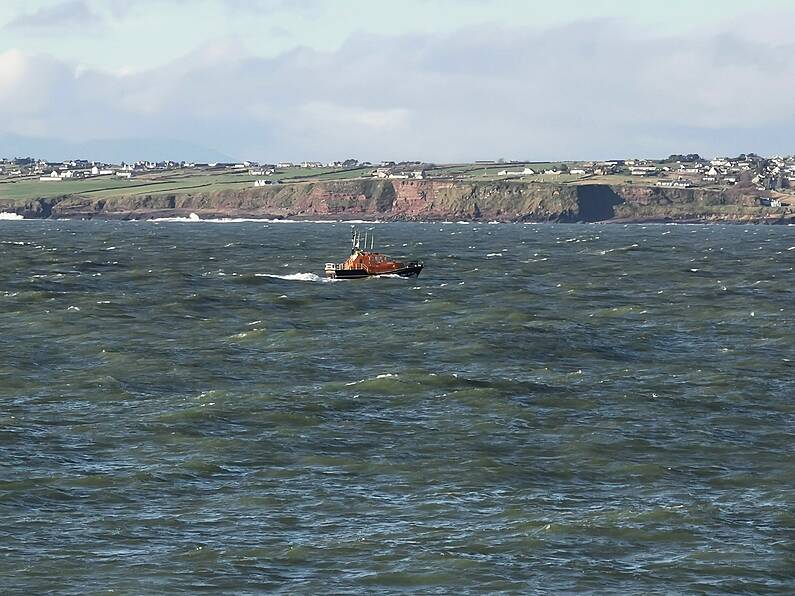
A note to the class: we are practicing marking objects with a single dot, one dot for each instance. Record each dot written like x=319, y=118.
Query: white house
x=524, y=172
x=675, y=183
x=53, y=177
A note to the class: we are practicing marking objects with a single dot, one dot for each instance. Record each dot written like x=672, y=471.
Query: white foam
x=193, y=218
x=494, y=254
x=297, y=277
x=388, y=275
x=4, y=215
x=197, y=219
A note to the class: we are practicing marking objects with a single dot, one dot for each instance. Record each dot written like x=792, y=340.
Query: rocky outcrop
x=421, y=200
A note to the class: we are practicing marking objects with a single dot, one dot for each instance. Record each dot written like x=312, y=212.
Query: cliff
x=421, y=200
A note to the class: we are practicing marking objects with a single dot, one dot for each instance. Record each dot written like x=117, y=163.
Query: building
x=523, y=172
x=54, y=176
x=643, y=171
x=674, y=184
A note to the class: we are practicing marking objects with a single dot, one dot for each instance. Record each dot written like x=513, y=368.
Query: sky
x=430, y=80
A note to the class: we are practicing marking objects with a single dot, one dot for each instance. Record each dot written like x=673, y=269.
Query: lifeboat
x=367, y=263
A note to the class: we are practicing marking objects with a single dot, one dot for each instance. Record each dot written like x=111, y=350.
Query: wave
x=193, y=218
x=197, y=219
x=5, y=215
x=297, y=277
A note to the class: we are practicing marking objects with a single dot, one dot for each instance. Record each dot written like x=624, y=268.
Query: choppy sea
x=192, y=408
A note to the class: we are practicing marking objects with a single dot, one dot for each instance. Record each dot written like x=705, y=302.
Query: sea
x=191, y=407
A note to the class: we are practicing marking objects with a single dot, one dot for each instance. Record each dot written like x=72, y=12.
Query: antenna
x=372, y=240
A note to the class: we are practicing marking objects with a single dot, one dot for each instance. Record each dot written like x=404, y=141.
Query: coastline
x=421, y=201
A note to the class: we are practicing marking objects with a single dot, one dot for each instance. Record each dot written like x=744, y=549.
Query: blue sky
x=439, y=80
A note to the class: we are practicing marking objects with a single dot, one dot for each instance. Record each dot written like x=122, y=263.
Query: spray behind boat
x=368, y=263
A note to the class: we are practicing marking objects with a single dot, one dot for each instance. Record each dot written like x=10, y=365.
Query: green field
x=15, y=190
x=18, y=190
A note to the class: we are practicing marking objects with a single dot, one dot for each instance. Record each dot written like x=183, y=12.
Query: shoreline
x=421, y=201
x=215, y=217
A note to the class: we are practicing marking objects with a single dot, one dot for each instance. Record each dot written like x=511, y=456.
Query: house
x=643, y=171
x=418, y=174
x=577, y=172
x=54, y=176
x=262, y=182
x=523, y=172
x=284, y=164
x=674, y=184
x=127, y=175
x=382, y=173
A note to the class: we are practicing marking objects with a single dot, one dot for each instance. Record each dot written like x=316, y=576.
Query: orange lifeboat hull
x=367, y=264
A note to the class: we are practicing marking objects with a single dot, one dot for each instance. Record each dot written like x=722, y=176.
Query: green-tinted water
x=188, y=407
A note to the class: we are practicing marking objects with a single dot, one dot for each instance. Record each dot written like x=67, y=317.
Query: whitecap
x=5, y=215
x=297, y=277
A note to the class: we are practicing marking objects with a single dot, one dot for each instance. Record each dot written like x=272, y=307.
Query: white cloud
x=590, y=89
x=65, y=17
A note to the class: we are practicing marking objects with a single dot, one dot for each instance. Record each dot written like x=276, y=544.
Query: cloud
x=64, y=16
x=585, y=90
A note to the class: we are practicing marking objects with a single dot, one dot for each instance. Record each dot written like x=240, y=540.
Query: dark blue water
x=190, y=408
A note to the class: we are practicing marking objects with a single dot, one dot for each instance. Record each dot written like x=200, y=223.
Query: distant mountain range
x=111, y=150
